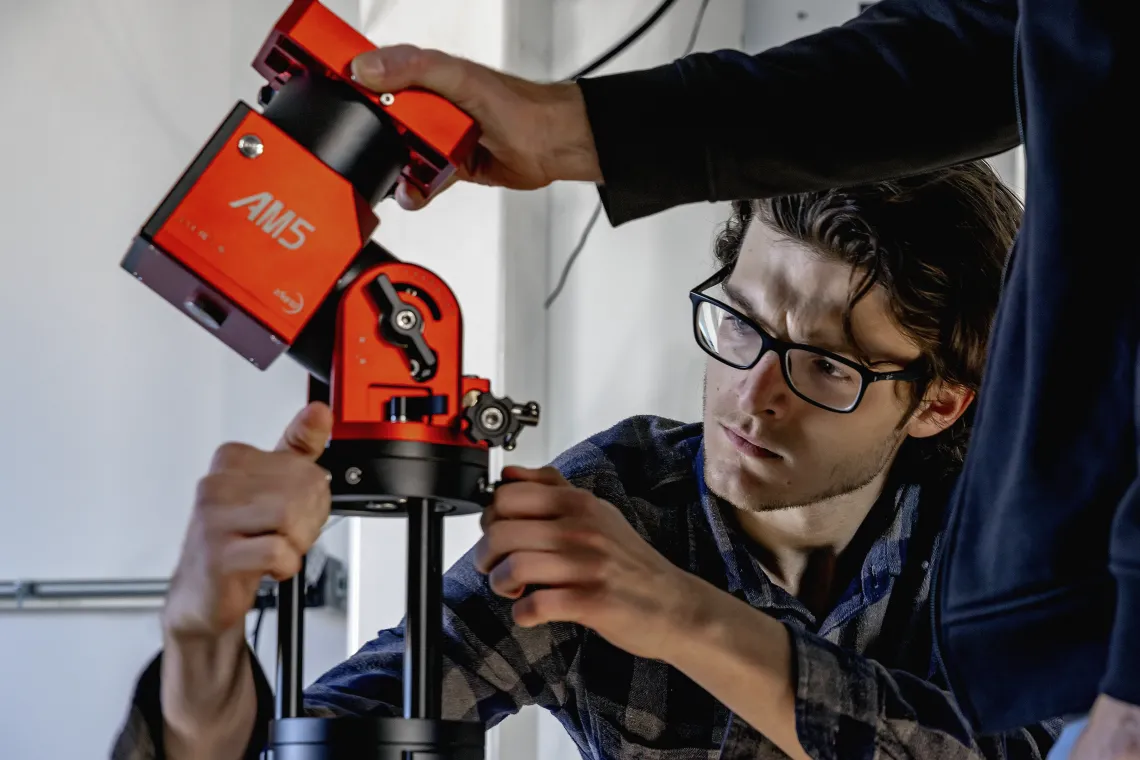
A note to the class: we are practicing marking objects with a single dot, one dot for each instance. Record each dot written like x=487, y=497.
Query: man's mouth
x=748, y=446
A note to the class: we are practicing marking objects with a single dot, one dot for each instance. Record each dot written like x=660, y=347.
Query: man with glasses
x=753, y=585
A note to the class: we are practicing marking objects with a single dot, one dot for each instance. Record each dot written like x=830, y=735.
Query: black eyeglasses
x=820, y=377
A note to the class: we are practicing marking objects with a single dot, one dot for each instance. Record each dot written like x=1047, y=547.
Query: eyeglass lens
x=815, y=376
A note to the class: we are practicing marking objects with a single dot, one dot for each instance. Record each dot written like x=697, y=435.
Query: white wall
x=112, y=401
x=619, y=333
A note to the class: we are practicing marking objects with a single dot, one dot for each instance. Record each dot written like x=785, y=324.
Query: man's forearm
x=209, y=703
x=742, y=657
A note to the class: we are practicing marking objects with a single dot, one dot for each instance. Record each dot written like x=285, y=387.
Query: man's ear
x=940, y=408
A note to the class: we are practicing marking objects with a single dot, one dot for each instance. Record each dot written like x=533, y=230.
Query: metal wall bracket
x=328, y=589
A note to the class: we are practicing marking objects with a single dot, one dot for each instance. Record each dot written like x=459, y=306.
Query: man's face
x=765, y=447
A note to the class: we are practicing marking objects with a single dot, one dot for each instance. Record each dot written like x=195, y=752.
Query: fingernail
x=408, y=198
x=402, y=197
x=369, y=65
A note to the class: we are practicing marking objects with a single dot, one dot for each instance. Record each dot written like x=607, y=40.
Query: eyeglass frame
x=910, y=373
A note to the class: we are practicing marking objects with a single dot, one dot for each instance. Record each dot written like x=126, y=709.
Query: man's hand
x=1112, y=732
x=533, y=134
x=256, y=514
x=585, y=561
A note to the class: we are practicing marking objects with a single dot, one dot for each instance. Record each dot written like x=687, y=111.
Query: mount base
x=374, y=478
x=375, y=739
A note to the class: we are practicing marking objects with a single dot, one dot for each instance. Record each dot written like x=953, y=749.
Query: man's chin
x=745, y=490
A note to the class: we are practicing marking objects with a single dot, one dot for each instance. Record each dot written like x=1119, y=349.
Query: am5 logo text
x=280, y=223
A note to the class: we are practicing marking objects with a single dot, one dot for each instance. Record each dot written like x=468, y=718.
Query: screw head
x=251, y=146
x=492, y=418
x=387, y=99
x=380, y=506
x=406, y=319
x=353, y=475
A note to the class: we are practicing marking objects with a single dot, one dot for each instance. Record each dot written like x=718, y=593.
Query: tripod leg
x=422, y=662
x=290, y=643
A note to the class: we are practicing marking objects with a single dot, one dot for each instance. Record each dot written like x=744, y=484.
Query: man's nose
x=762, y=389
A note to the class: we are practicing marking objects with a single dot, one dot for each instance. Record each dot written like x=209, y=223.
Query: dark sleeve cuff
x=837, y=698
x=650, y=148
x=147, y=704
x=837, y=709
x=1122, y=679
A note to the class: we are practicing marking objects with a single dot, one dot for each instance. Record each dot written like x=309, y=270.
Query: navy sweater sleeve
x=906, y=86
x=1047, y=515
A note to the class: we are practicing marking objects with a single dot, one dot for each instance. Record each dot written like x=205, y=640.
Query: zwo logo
x=270, y=215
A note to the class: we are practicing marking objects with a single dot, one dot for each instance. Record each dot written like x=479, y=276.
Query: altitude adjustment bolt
x=498, y=421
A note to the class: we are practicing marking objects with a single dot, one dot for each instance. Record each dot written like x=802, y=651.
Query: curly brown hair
x=936, y=242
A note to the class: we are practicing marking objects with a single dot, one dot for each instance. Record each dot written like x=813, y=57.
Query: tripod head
x=265, y=241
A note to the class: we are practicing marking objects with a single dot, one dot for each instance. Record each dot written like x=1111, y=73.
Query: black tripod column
x=424, y=621
x=290, y=644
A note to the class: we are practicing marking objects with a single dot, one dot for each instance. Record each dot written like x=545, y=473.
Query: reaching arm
x=812, y=699
x=906, y=86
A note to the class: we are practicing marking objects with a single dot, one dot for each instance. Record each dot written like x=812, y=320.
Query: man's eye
x=831, y=370
x=736, y=325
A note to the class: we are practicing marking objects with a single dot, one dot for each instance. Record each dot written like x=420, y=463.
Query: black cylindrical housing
x=313, y=346
x=343, y=129
x=375, y=739
x=373, y=477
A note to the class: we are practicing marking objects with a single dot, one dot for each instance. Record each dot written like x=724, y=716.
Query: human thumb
x=397, y=67
x=308, y=432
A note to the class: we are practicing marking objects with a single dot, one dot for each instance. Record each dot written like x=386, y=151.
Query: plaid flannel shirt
x=867, y=680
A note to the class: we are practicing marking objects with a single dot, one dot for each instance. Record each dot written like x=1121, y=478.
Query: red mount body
x=262, y=241
x=368, y=374
x=309, y=36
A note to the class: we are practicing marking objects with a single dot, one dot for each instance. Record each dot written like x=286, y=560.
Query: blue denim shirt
x=867, y=683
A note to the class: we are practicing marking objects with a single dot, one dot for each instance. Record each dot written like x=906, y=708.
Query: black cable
x=629, y=39
x=696, y=28
x=257, y=627
x=625, y=42
x=573, y=255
